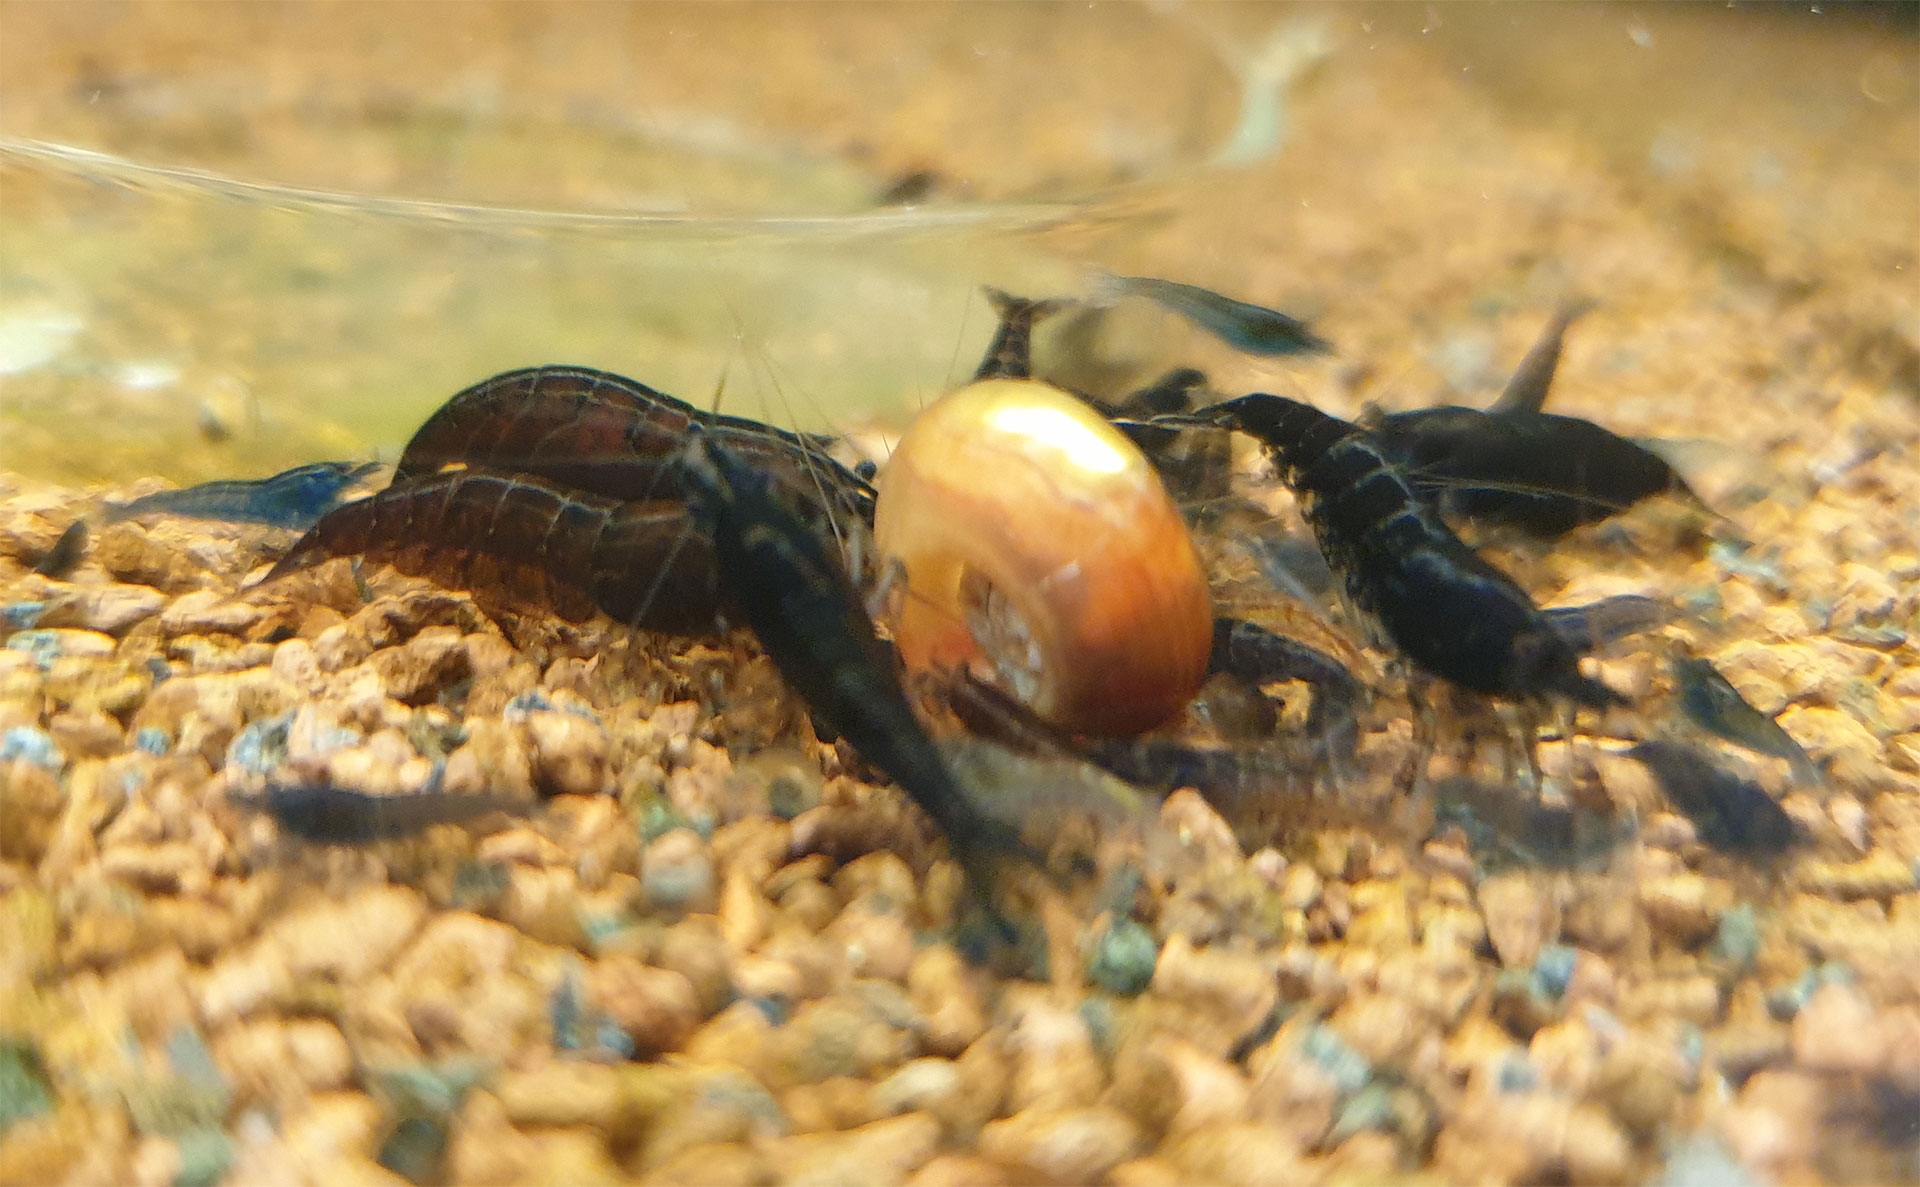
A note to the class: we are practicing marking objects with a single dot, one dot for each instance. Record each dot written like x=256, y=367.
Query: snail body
x=1041, y=548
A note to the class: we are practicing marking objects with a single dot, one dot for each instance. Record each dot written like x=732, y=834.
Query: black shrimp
x=1442, y=605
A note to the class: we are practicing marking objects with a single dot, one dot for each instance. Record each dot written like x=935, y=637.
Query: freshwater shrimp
x=294, y=499
x=1538, y=471
x=329, y=814
x=529, y=544
x=1518, y=466
x=1253, y=329
x=1600, y=624
x=1527, y=390
x=1711, y=702
x=608, y=435
x=796, y=596
x=1435, y=599
x=66, y=553
x=1010, y=354
x=1223, y=775
x=1728, y=811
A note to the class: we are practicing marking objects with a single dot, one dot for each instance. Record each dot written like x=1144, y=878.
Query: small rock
x=1218, y=996
x=1837, y=1031
x=30, y=805
x=1241, y=1153
x=1687, y=907
x=569, y=754
x=714, y=1104
x=86, y=733
x=108, y=609
x=677, y=873
x=1055, y=1065
x=714, y=1165
x=1206, y=1090
x=874, y=943
x=26, y=744
x=1123, y=957
x=657, y=1008
x=1382, y=1028
x=961, y=1170
x=346, y=940
x=1521, y=916
x=563, y=1094
x=948, y=997
x=418, y=670
x=1777, y=1120
x=882, y=1152
x=694, y=949
x=208, y=612
x=48, y=645
x=279, y=1064
x=922, y=1085
x=1879, y=875
x=849, y=1034
x=1066, y=1145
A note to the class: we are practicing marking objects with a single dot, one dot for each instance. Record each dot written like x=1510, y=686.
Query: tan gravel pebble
x=1172, y=1087
x=1054, y=1063
x=1521, y=914
x=563, y=1094
x=1067, y=1145
x=961, y=1170
x=1775, y=1121
x=1214, y=997
x=279, y=1064
x=1255, y=1155
x=348, y=939
x=109, y=609
x=880, y=1153
x=945, y=991
x=569, y=754
x=657, y=1008
x=1687, y=907
x=1837, y=1030
x=1879, y=875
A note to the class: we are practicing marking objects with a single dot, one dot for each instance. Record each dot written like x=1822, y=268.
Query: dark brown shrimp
x=1255, y=654
x=1533, y=378
x=66, y=554
x=1537, y=471
x=1237, y=780
x=1431, y=596
x=1010, y=354
x=796, y=595
x=608, y=435
x=1601, y=624
x=1517, y=466
x=1729, y=812
x=329, y=814
x=531, y=545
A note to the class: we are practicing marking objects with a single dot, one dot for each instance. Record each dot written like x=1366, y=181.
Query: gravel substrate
x=672, y=939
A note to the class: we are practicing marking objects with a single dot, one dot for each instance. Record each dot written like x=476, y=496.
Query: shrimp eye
x=1041, y=549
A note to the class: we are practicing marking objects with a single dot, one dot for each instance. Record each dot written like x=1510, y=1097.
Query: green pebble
x=205, y=1155
x=23, y=1086
x=1123, y=959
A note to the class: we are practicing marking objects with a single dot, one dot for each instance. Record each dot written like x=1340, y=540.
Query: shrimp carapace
x=608, y=435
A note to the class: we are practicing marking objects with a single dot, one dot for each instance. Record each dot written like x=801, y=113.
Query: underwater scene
x=959, y=594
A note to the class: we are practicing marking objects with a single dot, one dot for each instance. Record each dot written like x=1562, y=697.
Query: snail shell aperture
x=1040, y=545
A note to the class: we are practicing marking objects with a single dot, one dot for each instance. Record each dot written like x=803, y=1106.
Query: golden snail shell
x=1037, y=539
